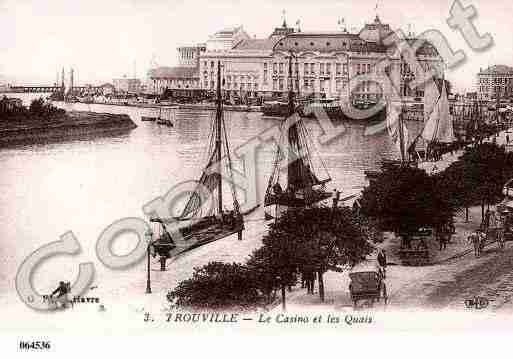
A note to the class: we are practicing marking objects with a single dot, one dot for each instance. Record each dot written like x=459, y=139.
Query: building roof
x=256, y=44
x=176, y=72
x=497, y=69
x=376, y=31
x=328, y=42
x=228, y=32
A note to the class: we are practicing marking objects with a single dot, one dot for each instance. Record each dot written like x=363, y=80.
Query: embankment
x=71, y=125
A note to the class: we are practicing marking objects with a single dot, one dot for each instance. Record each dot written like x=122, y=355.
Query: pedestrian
x=382, y=261
x=475, y=239
x=62, y=294
x=443, y=241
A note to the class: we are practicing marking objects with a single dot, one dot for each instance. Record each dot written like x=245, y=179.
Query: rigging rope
x=232, y=182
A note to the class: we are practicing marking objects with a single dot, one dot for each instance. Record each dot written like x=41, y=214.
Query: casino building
x=495, y=81
x=323, y=63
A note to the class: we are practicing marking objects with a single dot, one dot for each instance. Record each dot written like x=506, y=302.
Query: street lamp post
x=149, y=235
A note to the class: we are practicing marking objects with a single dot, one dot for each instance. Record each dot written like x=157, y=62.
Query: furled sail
x=297, y=171
x=439, y=126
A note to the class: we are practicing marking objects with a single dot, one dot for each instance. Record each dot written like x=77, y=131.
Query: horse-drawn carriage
x=414, y=250
x=367, y=282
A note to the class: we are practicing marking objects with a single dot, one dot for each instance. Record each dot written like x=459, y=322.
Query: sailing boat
x=206, y=225
x=302, y=185
x=438, y=128
x=397, y=130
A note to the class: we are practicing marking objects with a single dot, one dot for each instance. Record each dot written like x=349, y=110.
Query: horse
x=477, y=242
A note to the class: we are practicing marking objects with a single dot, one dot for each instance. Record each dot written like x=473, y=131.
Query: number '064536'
x=35, y=345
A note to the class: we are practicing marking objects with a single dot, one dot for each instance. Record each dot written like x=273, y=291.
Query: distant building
x=471, y=95
x=127, y=85
x=178, y=77
x=107, y=89
x=226, y=39
x=8, y=104
x=183, y=76
x=495, y=81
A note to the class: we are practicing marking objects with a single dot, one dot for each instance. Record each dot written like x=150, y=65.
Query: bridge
x=49, y=89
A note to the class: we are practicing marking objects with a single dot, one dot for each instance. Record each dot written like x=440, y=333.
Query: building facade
x=495, y=82
x=185, y=76
x=127, y=85
x=323, y=64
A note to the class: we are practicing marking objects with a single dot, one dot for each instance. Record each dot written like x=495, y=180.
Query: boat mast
x=219, y=114
x=294, y=167
x=401, y=134
x=291, y=91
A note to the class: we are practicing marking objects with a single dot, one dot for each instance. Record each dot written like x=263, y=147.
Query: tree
x=478, y=176
x=404, y=199
x=275, y=264
x=317, y=239
x=217, y=285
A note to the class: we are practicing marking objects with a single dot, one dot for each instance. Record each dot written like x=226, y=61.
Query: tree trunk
x=482, y=210
x=321, y=285
x=283, y=304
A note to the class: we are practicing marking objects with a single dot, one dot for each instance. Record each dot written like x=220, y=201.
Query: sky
x=106, y=39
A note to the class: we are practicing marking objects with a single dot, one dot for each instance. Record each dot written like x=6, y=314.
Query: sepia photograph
x=299, y=168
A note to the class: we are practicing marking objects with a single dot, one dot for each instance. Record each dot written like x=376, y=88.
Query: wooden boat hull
x=165, y=122
x=168, y=248
x=148, y=119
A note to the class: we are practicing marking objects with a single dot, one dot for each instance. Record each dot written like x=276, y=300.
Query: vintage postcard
x=275, y=167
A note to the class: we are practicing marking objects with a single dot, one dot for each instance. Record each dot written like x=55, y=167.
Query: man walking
x=382, y=261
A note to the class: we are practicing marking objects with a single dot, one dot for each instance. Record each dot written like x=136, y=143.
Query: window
x=322, y=85
x=368, y=68
x=275, y=84
x=328, y=69
x=312, y=69
x=338, y=67
x=338, y=84
x=358, y=69
x=211, y=63
x=344, y=69
x=280, y=84
x=321, y=69
x=275, y=68
x=281, y=68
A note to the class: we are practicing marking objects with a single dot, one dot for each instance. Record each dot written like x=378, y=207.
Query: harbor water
x=85, y=185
